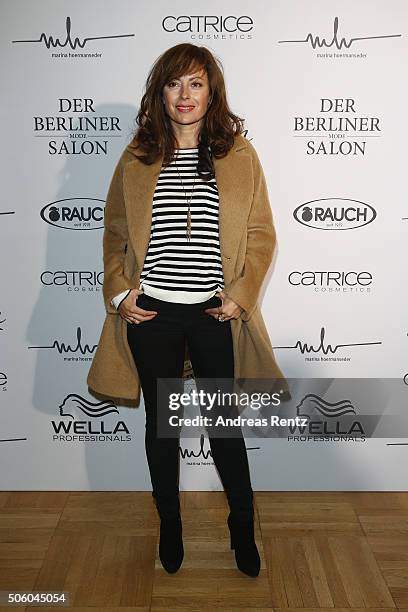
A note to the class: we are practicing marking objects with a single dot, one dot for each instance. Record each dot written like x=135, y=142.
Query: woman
x=188, y=240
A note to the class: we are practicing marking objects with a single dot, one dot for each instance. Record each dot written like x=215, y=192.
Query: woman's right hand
x=132, y=313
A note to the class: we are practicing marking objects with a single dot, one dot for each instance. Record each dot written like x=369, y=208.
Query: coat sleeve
x=115, y=237
x=261, y=242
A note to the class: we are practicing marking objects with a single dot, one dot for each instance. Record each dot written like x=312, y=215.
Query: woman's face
x=186, y=98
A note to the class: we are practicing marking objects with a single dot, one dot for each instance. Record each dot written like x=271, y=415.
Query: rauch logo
x=74, y=213
x=334, y=214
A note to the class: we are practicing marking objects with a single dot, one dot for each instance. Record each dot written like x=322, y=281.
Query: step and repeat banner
x=323, y=88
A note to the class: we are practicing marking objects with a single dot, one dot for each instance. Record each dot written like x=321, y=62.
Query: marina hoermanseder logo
x=337, y=43
x=70, y=42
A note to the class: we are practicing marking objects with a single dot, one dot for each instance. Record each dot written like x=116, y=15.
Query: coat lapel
x=234, y=182
x=139, y=184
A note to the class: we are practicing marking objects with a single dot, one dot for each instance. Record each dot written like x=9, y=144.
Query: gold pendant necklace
x=188, y=222
x=188, y=226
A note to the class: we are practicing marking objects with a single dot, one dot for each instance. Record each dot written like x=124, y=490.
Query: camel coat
x=247, y=243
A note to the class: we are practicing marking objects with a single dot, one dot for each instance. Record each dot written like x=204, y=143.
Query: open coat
x=247, y=244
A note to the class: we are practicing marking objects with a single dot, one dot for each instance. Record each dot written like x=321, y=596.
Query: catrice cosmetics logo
x=335, y=282
x=87, y=421
x=337, y=129
x=76, y=128
x=323, y=351
x=74, y=213
x=210, y=27
x=338, y=45
x=80, y=281
x=334, y=214
x=70, y=45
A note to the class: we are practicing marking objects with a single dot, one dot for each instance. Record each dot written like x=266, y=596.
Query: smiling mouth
x=184, y=109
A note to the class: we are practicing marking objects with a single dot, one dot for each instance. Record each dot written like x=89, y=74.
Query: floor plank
x=320, y=551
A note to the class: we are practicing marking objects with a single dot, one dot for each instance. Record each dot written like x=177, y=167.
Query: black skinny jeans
x=158, y=349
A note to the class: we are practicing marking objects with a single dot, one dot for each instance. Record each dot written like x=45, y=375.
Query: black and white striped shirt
x=175, y=269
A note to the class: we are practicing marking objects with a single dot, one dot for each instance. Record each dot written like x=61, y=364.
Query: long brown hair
x=154, y=134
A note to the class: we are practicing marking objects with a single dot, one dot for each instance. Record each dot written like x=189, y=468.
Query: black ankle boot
x=171, y=550
x=243, y=543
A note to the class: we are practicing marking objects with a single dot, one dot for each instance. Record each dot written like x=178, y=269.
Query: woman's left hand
x=228, y=309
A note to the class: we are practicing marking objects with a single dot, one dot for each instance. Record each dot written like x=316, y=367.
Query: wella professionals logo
x=74, y=402
x=89, y=421
x=317, y=41
x=51, y=41
x=74, y=213
x=312, y=403
x=334, y=214
x=327, y=420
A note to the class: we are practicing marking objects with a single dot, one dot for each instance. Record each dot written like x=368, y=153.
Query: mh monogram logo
x=50, y=41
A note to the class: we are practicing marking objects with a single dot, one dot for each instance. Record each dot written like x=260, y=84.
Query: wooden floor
x=319, y=551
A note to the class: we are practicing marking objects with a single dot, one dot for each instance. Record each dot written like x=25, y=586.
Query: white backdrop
x=323, y=91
